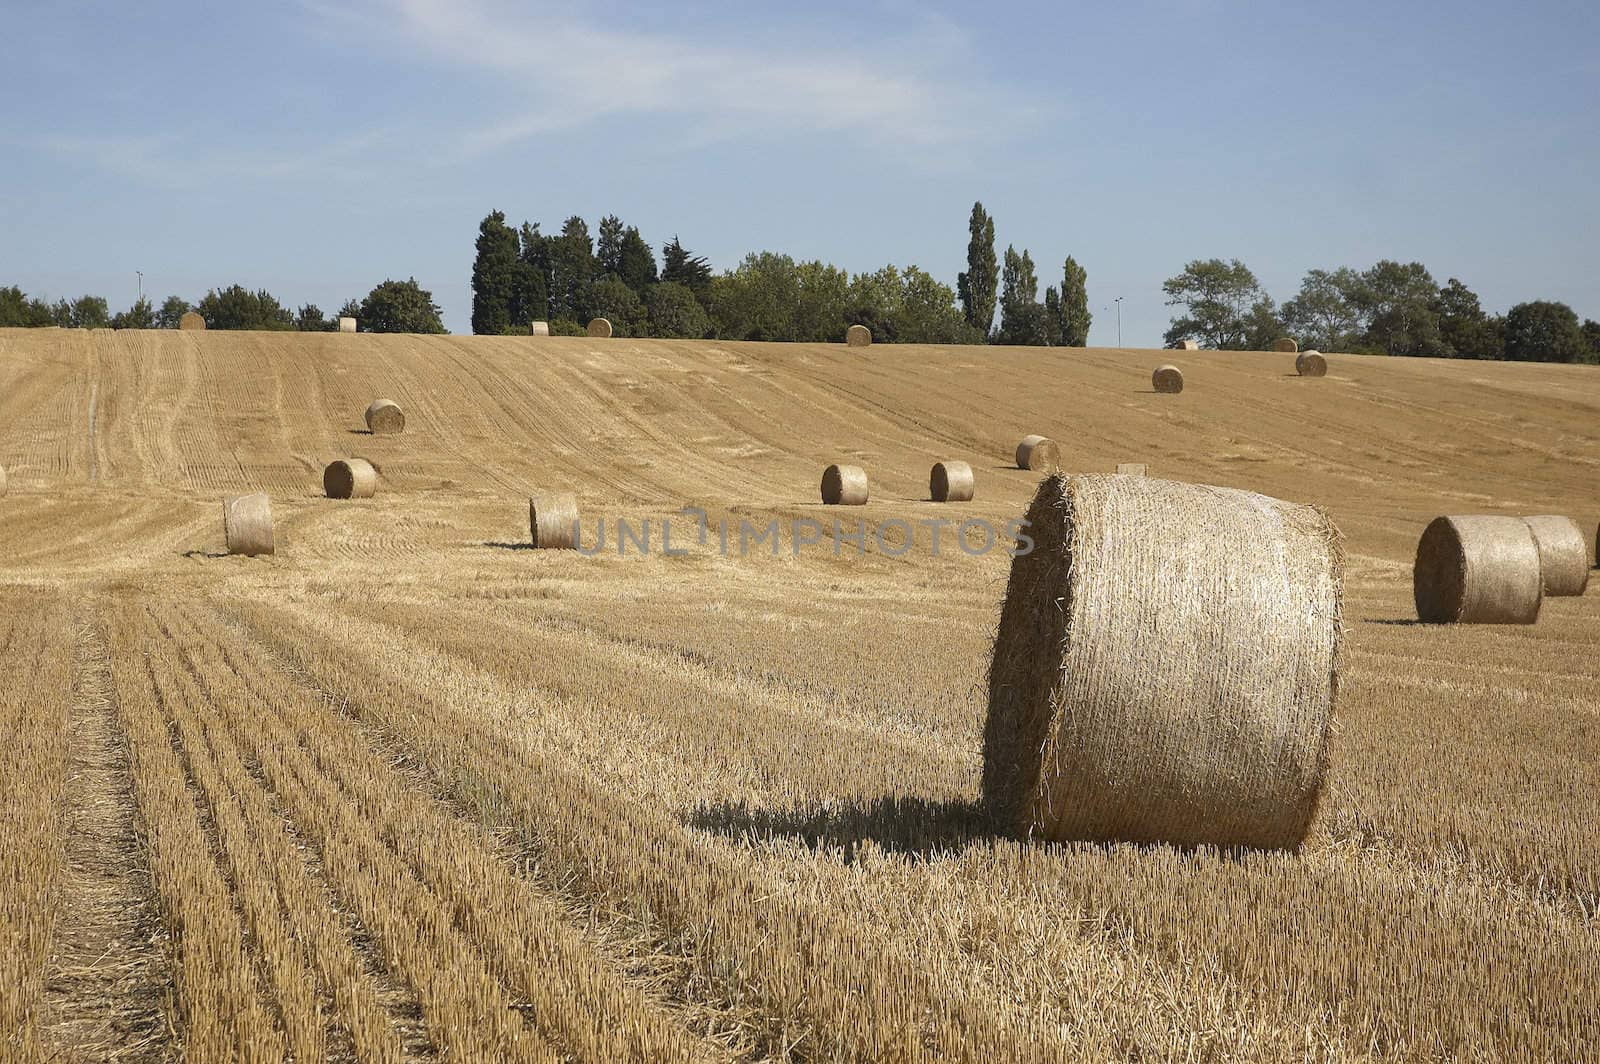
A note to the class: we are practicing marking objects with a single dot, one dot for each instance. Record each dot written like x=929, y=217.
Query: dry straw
x=1287, y=344
x=951, y=482
x=539, y=328
x=844, y=485
x=600, y=328
x=553, y=520
x=247, y=524
x=350, y=478
x=1563, y=554
x=1131, y=469
x=1038, y=452
x=1167, y=379
x=192, y=322
x=1311, y=364
x=385, y=418
x=1477, y=569
x=1187, y=345
x=1166, y=666
x=347, y=325
x=858, y=336
x=3, y=488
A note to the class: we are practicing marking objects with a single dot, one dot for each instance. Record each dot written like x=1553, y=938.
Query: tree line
x=1391, y=308
x=391, y=307
x=521, y=275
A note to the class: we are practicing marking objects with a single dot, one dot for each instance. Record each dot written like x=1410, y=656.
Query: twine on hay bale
x=1477, y=569
x=951, y=482
x=553, y=520
x=1311, y=364
x=1563, y=554
x=192, y=322
x=347, y=325
x=1167, y=380
x=844, y=485
x=1166, y=666
x=1038, y=452
x=1287, y=344
x=350, y=478
x=539, y=328
x=1186, y=345
x=247, y=524
x=1131, y=469
x=600, y=328
x=858, y=336
x=385, y=418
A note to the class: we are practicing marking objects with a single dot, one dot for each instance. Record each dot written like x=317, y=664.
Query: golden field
x=406, y=791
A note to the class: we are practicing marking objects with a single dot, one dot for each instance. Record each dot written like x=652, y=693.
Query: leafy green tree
x=1053, y=317
x=572, y=268
x=822, y=309
x=311, y=319
x=675, y=313
x=1591, y=334
x=1463, y=326
x=17, y=311
x=608, y=245
x=172, y=310
x=874, y=300
x=91, y=312
x=636, y=263
x=399, y=307
x=1220, y=298
x=139, y=316
x=1075, y=315
x=1397, y=302
x=494, y=275
x=236, y=307
x=1021, y=314
x=978, y=283
x=1544, y=331
x=352, y=309
x=61, y=314
x=530, y=301
x=758, y=299
x=1326, y=315
x=680, y=267
x=1262, y=326
x=929, y=314
x=609, y=298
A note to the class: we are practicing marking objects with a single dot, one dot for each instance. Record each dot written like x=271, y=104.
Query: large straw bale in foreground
x=247, y=524
x=191, y=322
x=844, y=485
x=858, y=336
x=1563, y=555
x=600, y=328
x=1287, y=344
x=553, y=520
x=385, y=418
x=1477, y=569
x=951, y=482
x=1038, y=452
x=1311, y=364
x=350, y=478
x=1166, y=666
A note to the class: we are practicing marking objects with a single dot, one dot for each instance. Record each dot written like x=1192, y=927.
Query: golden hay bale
x=1167, y=379
x=951, y=482
x=2, y=480
x=1311, y=364
x=1038, y=452
x=1131, y=469
x=539, y=328
x=858, y=336
x=347, y=324
x=1563, y=554
x=350, y=478
x=1477, y=569
x=385, y=418
x=553, y=520
x=600, y=328
x=1287, y=344
x=247, y=524
x=192, y=322
x=844, y=485
x=1187, y=345
x=1165, y=667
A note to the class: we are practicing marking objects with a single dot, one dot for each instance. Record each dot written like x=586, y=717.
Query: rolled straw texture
x=1477, y=569
x=350, y=478
x=1563, y=554
x=1167, y=380
x=553, y=520
x=1038, y=452
x=951, y=482
x=1311, y=364
x=247, y=524
x=385, y=418
x=844, y=485
x=858, y=336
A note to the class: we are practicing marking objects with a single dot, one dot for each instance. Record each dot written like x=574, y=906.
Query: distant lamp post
x=1118, y=302
x=141, y=284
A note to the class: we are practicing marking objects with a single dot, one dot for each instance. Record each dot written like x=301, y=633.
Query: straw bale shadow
x=914, y=826
x=359, y=432
x=206, y=554
x=500, y=545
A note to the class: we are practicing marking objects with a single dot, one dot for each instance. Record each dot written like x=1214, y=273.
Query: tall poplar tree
x=494, y=275
x=978, y=284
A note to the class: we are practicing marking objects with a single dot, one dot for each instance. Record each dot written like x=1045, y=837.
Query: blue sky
x=315, y=148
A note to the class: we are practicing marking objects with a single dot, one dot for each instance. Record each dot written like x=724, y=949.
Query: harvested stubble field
x=407, y=792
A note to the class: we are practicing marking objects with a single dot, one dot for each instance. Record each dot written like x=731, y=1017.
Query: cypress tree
x=1075, y=316
x=977, y=284
x=494, y=275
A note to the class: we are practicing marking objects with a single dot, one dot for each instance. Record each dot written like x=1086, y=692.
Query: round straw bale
x=1038, y=452
x=2, y=480
x=951, y=482
x=350, y=478
x=1165, y=667
x=600, y=327
x=858, y=336
x=1311, y=364
x=192, y=322
x=1287, y=344
x=1563, y=554
x=1167, y=379
x=844, y=485
x=1187, y=345
x=553, y=520
x=1477, y=569
x=385, y=418
x=247, y=524
x=539, y=328
x=347, y=324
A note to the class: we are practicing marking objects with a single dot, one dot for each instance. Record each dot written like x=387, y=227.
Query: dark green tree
x=1397, y=302
x=675, y=313
x=494, y=275
x=352, y=309
x=928, y=312
x=1219, y=297
x=1591, y=334
x=1075, y=315
x=236, y=307
x=758, y=300
x=608, y=245
x=679, y=266
x=572, y=268
x=1053, y=317
x=1021, y=313
x=171, y=311
x=17, y=311
x=978, y=283
x=609, y=298
x=139, y=316
x=1463, y=326
x=1544, y=331
x=399, y=307
x=61, y=314
x=91, y=312
x=531, y=300
x=636, y=263
x=1326, y=314
x=311, y=319
x=1262, y=326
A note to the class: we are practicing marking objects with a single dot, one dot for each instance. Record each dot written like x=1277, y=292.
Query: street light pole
x=1118, y=302
x=141, y=284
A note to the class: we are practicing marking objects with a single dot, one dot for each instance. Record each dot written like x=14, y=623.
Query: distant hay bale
x=553, y=520
x=247, y=524
x=1166, y=666
x=1563, y=554
x=1186, y=345
x=192, y=322
x=539, y=328
x=350, y=478
x=1167, y=379
x=858, y=336
x=1311, y=364
x=385, y=418
x=1287, y=344
x=600, y=328
x=951, y=482
x=1131, y=469
x=844, y=485
x=1038, y=452
x=1477, y=569
x=347, y=325
x=2, y=480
